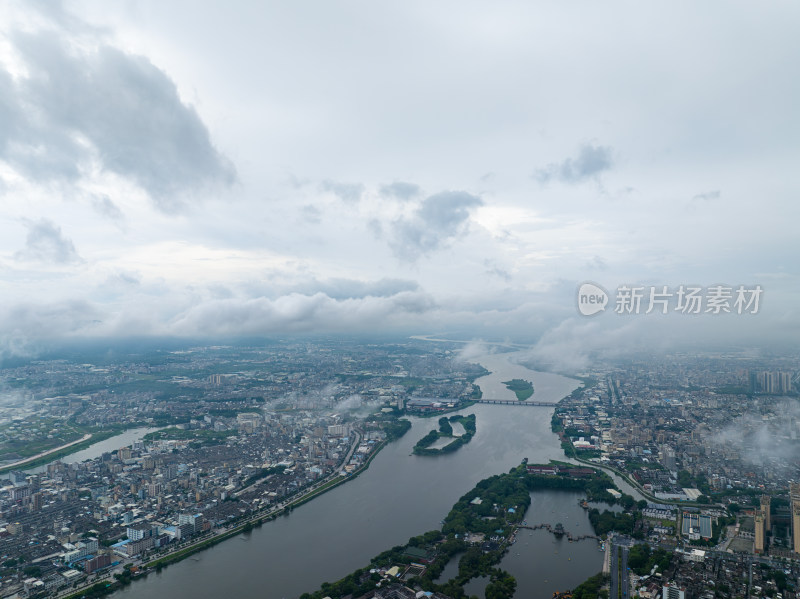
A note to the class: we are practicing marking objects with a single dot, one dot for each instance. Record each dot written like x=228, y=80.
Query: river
x=399, y=496
x=95, y=450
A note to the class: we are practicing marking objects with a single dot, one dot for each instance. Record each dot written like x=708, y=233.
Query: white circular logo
x=591, y=299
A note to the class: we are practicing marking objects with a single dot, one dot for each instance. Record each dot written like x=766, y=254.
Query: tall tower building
x=760, y=531
x=765, y=507
x=784, y=382
x=794, y=492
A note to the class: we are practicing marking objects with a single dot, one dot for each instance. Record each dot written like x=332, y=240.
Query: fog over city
x=175, y=169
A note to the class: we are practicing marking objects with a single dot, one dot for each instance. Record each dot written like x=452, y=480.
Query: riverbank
x=47, y=456
x=253, y=521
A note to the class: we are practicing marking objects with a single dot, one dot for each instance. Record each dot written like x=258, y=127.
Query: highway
x=620, y=584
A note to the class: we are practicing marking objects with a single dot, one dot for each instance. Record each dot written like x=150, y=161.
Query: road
x=620, y=583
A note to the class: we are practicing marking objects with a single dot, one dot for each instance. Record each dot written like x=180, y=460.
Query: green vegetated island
x=523, y=389
x=423, y=446
x=480, y=527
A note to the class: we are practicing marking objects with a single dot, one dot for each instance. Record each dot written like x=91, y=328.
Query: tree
x=685, y=479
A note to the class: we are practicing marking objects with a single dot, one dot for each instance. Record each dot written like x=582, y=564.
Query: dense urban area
x=237, y=435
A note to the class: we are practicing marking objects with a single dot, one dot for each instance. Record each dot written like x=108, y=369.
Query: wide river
x=399, y=496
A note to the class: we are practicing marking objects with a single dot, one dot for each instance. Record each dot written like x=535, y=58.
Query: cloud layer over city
x=202, y=171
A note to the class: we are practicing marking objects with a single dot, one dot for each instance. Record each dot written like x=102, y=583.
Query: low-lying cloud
x=297, y=313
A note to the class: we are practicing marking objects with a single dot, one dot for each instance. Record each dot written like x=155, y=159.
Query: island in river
x=522, y=389
x=445, y=439
x=479, y=529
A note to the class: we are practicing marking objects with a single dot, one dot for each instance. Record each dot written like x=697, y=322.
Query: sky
x=211, y=170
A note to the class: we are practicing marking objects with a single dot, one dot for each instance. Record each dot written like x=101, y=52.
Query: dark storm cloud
x=438, y=218
x=590, y=162
x=347, y=192
x=46, y=243
x=400, y=190
x=77, y=105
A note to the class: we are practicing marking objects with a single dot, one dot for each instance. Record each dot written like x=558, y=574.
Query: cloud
x=105, y=207
x=400, y=190
x=590, y=162
x=311, y=214
x=347, y=192
x=438, y=219
x=474, y=350
x=575, y=343
x=707, y=196
x=350, y=288
x=596, y=263
x=375, y=227
x=493, y=269
x=78, y=107
x=27, y=326
x=46, y=243
x=298, y=313
x=10, y=116
x=761, y=442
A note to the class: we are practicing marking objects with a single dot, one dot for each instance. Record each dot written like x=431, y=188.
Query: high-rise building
x=796, y=527
x=794, y=495
x=794, y=492
x=765, y=507
x=770, y=382
x=760, y=531
x=673, y=591
x=784, y=382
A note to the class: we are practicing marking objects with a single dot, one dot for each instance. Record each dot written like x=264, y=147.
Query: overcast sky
x=215, y=169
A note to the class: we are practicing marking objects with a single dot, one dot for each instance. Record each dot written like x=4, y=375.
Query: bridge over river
x=566, y=533
x=516, y=402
